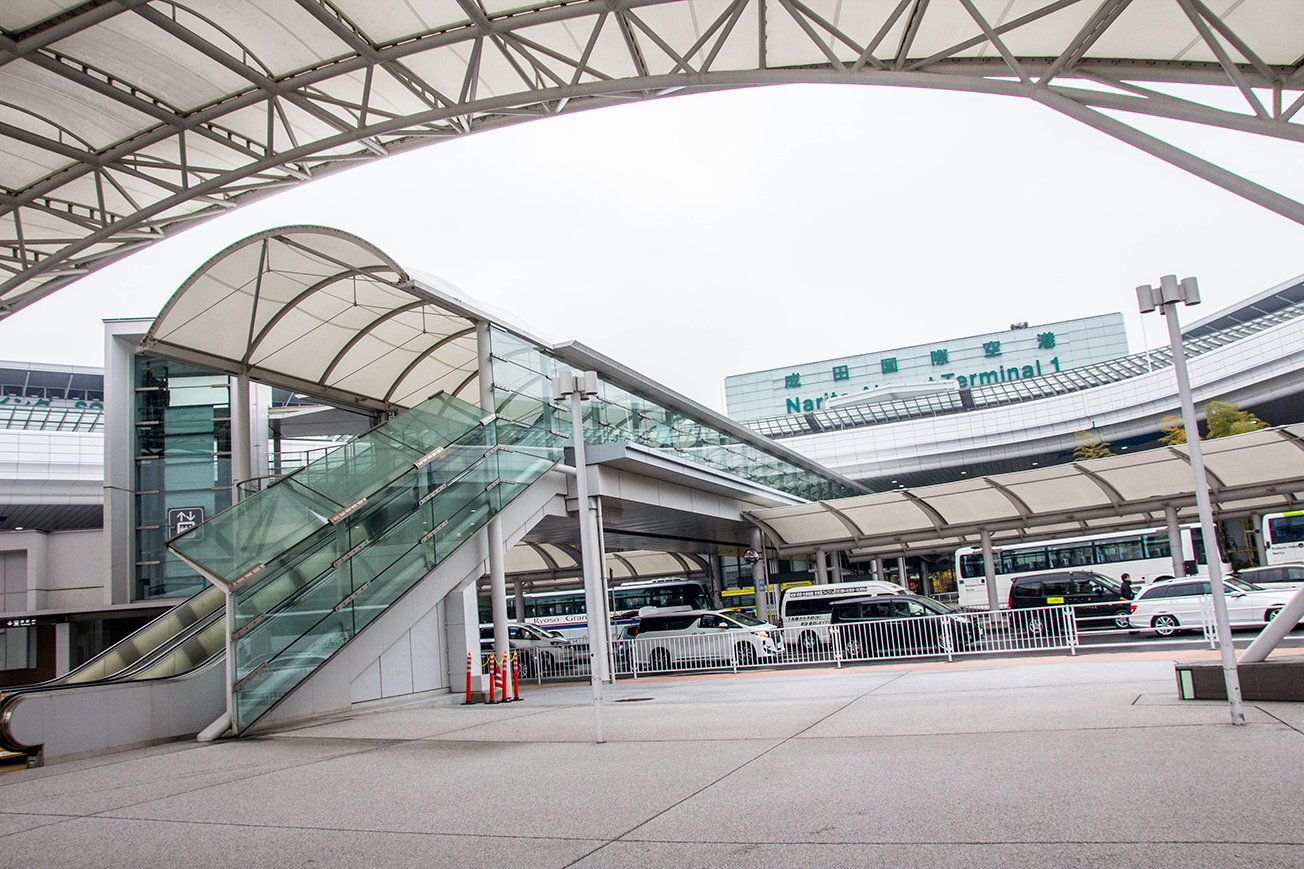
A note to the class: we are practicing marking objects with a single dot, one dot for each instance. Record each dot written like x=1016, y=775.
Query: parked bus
x=1283, y=537
x=565, y=611
x=745, y=598
x=1144, y=554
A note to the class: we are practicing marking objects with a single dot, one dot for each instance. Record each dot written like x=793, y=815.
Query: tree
x=1224, y=418
x=1089, y=445
x=1174, y=430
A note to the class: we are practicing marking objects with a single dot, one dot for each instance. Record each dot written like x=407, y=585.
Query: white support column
x=902, y=579
x=821, y=568
x=462, y=628
x=518, y=594
x=836, y=558
x=760, y=580
x=1175, y=542
x=497, y=553
x=717, y=581
x=241, y=443
x=989, y=571
x=603, y=658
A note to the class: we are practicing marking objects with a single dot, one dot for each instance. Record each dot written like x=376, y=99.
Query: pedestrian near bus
x=1127, y=592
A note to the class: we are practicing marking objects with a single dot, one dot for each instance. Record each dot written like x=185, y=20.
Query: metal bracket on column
x=348, y=511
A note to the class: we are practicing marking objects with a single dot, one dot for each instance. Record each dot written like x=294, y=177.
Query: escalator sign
x=182, y=519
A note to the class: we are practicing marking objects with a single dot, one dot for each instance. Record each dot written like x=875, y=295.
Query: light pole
x=579, y=387
x=1166, y=297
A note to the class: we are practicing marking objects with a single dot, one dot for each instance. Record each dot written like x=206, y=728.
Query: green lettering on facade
x=808, y=405
x=1027, y=371
x=986, y=377
x=794, y=405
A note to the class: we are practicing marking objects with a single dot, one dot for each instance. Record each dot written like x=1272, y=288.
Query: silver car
x=1175, y=604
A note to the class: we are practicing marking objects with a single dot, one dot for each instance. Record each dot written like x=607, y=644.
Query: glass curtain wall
x=183, y=467
x=523, y=384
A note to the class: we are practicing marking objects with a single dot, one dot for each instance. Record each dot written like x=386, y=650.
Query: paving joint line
x=736, y=769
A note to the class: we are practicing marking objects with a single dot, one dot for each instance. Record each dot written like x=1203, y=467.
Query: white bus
x=566, y=613
x=1143, y=554
x=1283, y=537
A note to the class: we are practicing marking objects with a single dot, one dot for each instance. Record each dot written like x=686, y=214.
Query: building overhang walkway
x=1249, y=474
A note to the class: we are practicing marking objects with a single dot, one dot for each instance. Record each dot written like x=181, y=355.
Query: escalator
x=186, y=637
x=313, y=559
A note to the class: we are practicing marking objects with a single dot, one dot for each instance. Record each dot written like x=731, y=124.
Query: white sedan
x=1174, y=604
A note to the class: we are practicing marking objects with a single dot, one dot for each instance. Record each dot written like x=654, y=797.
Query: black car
x=901, y=624
x=1097, y=600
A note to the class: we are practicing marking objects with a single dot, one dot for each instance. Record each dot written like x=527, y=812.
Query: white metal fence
x=1056, y=628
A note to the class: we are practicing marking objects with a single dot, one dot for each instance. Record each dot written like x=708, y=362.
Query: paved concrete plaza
x=1045, y=762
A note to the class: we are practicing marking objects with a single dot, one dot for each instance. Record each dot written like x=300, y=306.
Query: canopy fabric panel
x=535, y=562
x=312, y=308
x=1257, y=472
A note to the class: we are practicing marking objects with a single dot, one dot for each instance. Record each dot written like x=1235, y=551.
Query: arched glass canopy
x=322, y=312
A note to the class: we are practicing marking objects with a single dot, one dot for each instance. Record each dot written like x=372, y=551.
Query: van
x=888, y=625
x=538, y=652
x=1097, y=600
x=805, y=611
x=1279, y=577
x=665, y=640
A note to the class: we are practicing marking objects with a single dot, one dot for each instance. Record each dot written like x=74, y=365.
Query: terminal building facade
x=1021, y=352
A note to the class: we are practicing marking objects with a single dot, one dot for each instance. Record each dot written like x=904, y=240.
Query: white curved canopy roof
x=1258, y=472
x=125, y=121
x=539, y=562
x=320, y=310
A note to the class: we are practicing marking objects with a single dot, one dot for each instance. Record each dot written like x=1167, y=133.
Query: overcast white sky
x=696, y=237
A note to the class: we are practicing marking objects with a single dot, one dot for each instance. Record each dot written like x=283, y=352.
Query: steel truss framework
x=125, y=121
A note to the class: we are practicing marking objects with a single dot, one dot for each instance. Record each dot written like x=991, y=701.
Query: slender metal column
x=497, y=552
x=821, y=568
x=836, y=566
x=989, y=571
x=1175, y=542
x=902, y=579
x=593, y=603
x=1260, y=541
x=518, y=594
x=1169, y=294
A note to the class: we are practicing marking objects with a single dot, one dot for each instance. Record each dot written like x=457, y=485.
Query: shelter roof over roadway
x=125, y=121
x=1258, y=472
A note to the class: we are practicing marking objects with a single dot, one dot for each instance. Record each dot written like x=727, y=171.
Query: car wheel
x=659, y=659
x=808, y=642
x=746, y=654
x=547, y=664
x=1271, y=614
x=1121, y=618
x=1165, y=626
x=854, y=648
x=525, y=665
